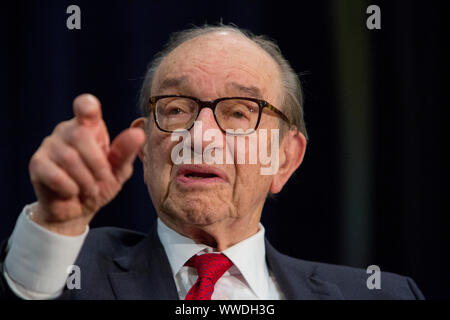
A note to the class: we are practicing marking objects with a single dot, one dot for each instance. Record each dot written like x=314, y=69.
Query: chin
x=196, y=210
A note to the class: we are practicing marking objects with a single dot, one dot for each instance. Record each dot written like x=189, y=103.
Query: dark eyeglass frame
x=212, y=105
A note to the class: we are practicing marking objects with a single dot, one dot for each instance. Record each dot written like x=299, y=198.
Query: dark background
x=373, y=188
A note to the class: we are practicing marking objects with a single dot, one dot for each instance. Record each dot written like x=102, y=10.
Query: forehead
x=218, y=63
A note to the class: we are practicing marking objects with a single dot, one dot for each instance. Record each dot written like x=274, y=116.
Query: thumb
x=123, y=151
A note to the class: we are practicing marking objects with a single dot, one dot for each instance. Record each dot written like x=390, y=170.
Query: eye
x=238, y=115
x=174, y=111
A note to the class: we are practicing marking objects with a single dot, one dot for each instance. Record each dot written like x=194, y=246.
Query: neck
x=219, y=235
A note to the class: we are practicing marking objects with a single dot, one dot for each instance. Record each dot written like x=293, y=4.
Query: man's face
x=208, y=67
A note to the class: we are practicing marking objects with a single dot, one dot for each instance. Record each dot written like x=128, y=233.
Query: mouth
x=200, y=174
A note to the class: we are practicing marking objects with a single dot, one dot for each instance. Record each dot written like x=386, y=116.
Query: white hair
x=292, y=103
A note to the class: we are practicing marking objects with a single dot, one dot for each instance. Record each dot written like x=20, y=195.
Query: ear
x=291, y=153
x=140, y=123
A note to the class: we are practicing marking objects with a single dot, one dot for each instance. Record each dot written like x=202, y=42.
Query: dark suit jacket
x=122, y=264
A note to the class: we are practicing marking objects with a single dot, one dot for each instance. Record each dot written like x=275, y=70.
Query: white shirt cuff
x=37, y=262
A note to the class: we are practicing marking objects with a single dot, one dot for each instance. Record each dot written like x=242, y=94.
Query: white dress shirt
x=248, y=279
x=37, y=261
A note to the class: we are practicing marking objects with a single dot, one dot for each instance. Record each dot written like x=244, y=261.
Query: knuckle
x=98, y=161
x=49, y=144
x=79, y=133
x=61, y=128
x=47, y=141
x=35, y=162
x=55, y=179
x=69, y=156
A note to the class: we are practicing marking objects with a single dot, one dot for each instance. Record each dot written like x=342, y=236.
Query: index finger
x=87, y=109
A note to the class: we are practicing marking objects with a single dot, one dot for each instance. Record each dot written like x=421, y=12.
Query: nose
x=205, y=121
x=206, y=116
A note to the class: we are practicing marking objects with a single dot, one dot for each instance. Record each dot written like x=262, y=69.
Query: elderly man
x=211, y=82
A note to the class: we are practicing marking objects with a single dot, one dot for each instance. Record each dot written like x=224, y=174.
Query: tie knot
x=210, y=265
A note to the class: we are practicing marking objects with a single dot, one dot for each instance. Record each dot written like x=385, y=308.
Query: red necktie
x=210, y=267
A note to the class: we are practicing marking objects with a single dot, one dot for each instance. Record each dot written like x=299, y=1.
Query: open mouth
x=200, y=174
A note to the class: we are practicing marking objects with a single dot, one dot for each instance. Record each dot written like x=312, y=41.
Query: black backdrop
x=373, y=188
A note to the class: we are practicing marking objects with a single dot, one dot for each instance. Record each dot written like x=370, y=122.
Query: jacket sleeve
x=415, y=289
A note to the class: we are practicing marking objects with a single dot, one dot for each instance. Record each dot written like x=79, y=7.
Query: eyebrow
x=252, y=91
x=171, y=83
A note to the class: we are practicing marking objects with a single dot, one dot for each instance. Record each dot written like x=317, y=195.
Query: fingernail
x=89, y=108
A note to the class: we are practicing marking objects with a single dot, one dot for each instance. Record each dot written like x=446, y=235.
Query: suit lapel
x=145, y=272
x=297, y=279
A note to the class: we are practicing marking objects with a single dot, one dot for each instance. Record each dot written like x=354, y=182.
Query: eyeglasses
x=174, y=112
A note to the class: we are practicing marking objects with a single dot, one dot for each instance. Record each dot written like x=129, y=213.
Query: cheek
x=159, y=148
x=157, y=161
x=251, y=188
x=250, y=184
x=272, y=137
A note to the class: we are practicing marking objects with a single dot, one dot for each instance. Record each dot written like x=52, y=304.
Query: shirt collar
x=248, y=256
